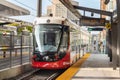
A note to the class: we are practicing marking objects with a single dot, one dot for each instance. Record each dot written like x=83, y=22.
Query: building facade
x=57, y=9
x=111, y=5
x=102, y=6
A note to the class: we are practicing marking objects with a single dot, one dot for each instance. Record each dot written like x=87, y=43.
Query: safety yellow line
x=70, y=72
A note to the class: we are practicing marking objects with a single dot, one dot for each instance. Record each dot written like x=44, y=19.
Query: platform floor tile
x=97, y=67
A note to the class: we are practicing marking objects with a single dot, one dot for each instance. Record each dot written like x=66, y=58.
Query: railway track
x=44, y=75
x=40, y=75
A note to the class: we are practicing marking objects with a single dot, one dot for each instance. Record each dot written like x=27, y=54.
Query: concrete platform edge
x=14, y=71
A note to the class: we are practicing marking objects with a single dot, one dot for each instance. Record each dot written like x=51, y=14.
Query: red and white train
x=56, y=43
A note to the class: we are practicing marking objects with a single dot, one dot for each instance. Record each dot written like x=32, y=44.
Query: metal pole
x=84, y=13
x=110, y=45
x=114, y=45
x=11, y=46
x=107, y=43
x=39, y=8
x=21, y=50
x=118, y=27
x=29, y=48
x=10, y=50
x=80, y=43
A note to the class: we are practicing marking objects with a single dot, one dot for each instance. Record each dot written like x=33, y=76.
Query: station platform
x=92, y=66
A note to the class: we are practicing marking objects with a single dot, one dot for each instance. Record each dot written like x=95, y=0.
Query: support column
x=39, y=8
x=108, y=44
x=114, y=45
x=107, y=38
x=118, y=28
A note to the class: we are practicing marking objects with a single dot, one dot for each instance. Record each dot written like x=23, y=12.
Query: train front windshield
x=47, y=38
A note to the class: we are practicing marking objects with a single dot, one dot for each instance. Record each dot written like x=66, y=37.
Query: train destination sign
x=87, y=21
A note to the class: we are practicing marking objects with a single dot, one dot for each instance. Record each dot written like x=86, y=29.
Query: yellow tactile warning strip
x=70, y=72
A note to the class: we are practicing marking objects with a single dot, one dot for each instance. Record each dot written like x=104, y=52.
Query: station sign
x=95, y=29
x=87, y=21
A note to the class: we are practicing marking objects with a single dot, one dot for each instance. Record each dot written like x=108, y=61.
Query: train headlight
x=34, y=56
x=56, y=56
x=48, y=21
x=46, y=58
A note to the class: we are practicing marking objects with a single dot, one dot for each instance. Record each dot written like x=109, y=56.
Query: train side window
x=73, y=48
x=74, y=45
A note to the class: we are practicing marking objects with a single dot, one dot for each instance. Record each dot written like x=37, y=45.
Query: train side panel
x=74, y=47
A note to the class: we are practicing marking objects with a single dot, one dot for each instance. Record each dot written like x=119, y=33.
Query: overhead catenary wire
x=25, y=5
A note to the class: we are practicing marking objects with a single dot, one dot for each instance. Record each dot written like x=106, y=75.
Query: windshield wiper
x=62, y=30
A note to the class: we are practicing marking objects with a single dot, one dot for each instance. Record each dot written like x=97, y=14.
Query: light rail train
x=56, y=43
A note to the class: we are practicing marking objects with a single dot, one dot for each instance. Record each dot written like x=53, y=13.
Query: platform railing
x=15, y=50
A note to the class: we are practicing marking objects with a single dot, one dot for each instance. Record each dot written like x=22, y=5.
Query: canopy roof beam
x=102, y=12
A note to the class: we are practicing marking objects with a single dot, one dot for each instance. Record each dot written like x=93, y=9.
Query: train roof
x=48, y=20
x=56, y=20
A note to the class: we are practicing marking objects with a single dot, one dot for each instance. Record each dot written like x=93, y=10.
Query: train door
x=73, y=48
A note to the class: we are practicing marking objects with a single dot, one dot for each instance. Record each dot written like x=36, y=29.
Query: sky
x=31, y=5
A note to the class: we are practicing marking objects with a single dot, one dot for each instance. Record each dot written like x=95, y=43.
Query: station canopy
x=85, y=20
x=9, y=9
x=69, y=5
